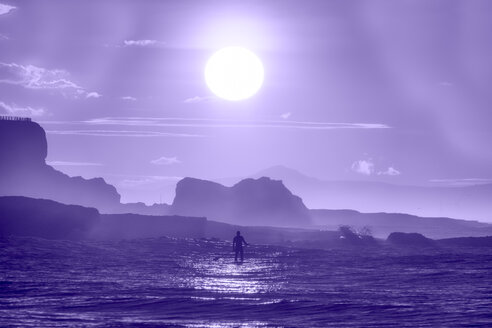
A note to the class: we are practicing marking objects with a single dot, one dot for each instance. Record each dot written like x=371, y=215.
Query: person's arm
x=234, y=244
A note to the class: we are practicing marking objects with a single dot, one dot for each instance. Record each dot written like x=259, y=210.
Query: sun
x=234, y=73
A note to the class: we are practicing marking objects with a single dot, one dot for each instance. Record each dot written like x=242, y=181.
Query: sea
x=169, y=282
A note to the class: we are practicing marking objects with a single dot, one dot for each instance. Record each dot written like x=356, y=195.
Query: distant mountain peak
x=261, y=180
x=283, y=172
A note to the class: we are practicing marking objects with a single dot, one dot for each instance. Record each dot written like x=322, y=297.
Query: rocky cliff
x=24, y=172
x=250, y=202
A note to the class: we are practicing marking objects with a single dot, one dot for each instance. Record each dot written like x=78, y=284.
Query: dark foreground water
x=195, y=283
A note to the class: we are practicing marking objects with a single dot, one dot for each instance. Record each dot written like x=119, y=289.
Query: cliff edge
x=24, y=172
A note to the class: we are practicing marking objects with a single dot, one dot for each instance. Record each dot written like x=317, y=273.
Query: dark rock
x=251, y=202
x=22, y=145
x=410, y=239
x=24, y=216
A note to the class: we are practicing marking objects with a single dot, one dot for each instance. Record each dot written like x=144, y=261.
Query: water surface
x=195, y=283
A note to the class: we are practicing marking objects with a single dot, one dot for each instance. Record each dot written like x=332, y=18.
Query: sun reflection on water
x=256, y=275
x=253, y=324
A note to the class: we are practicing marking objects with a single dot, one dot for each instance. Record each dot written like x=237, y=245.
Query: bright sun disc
x=234, y=73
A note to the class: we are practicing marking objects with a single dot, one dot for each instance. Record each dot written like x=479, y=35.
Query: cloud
x=391, y=171
x=365, y=167
x=165, y=161
x=142, y=43
x=65, y=163
x=119, y=133
x=93, y=95
x=129, y=98
x=5, y=9
x=21, y=111
x=224, y=123
x=197, y=99
x=3, y=37
x=286, y=115
x=33, y=77
x=146, y=127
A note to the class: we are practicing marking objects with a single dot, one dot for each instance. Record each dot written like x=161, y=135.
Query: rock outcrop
x=24, y=172
x=250, y=202
x=409, y=239
x=43, y=218
x=382, y=224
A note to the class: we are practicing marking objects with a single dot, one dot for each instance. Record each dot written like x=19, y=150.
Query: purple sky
x=395, y=91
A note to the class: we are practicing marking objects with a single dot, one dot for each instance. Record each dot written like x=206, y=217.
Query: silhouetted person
x=237, y=246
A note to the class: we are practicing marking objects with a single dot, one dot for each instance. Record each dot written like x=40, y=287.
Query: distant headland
x=257, y=202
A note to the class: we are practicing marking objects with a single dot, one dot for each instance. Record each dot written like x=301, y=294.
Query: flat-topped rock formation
x=260, y=201
x=24, y=172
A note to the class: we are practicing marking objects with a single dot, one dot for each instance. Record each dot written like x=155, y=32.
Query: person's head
x=238, y=233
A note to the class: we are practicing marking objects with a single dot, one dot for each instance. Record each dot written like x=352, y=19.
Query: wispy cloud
x=143, y=43
x=152, y=127
x=198, y=99
x=365, y=167
x=165, y=161
x=5, y=9
x=93, y=95
x=65, y=163
x=223, y=123
x=461, y=182
x=34, y=77
x=391, y=171
x=13, y=109
x=120, y=133
x=129, y=98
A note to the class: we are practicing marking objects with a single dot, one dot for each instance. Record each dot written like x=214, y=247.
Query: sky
x=390, y=91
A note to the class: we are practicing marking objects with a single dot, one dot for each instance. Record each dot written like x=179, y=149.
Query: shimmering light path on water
x=195, y=283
